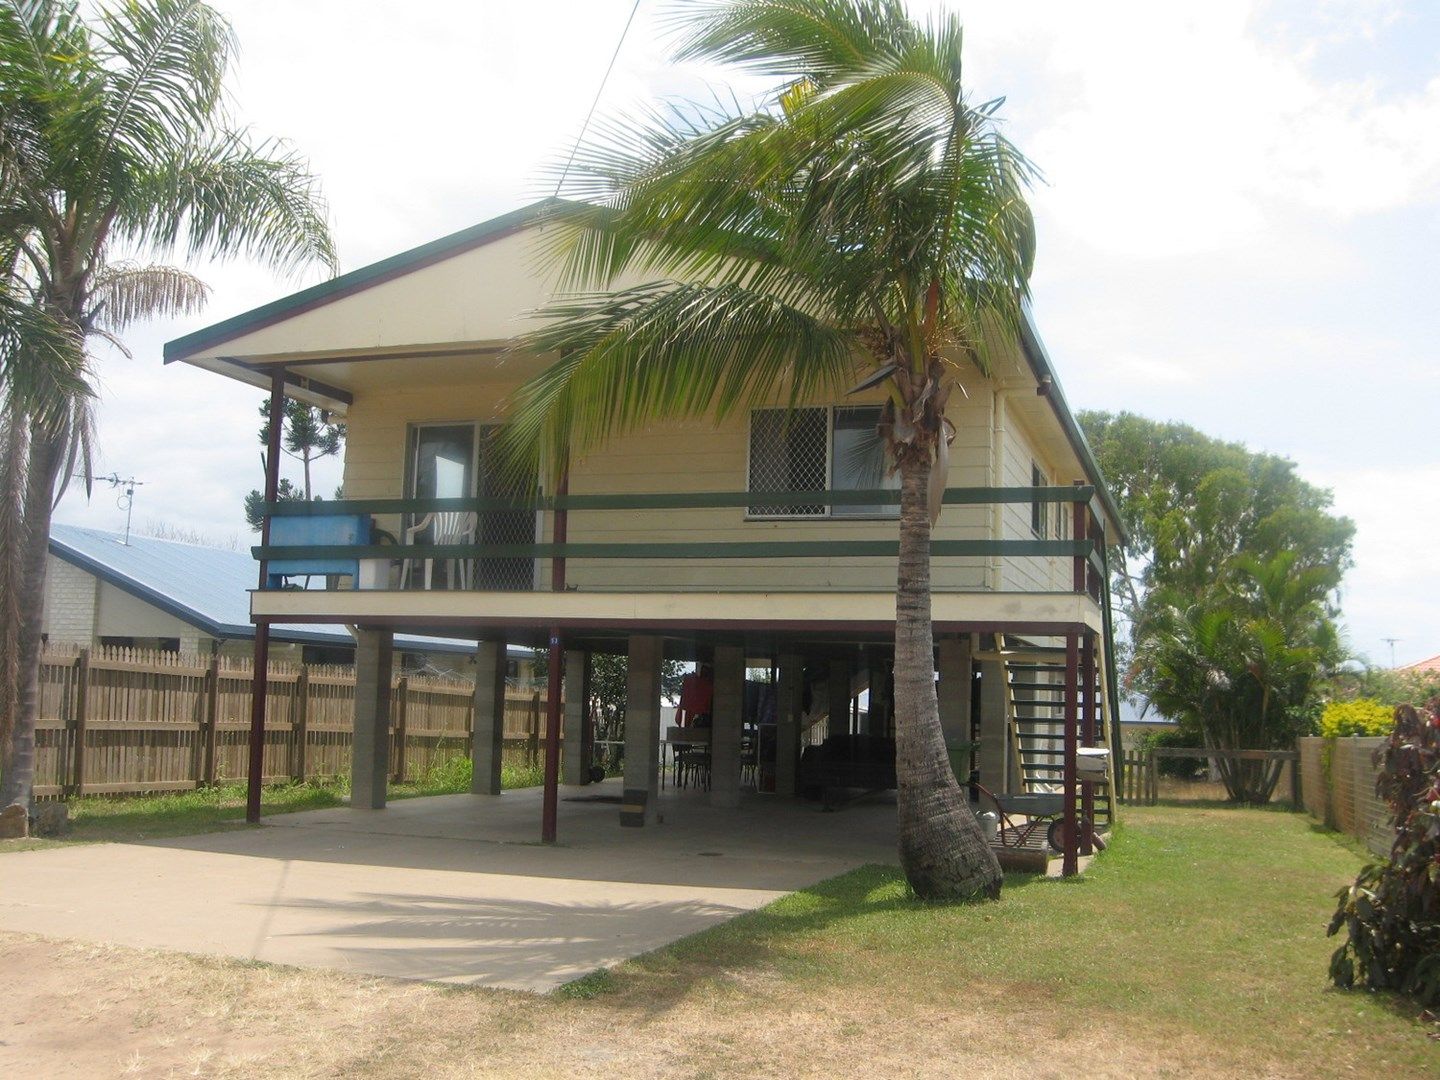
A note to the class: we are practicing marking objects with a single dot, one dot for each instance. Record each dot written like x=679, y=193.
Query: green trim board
x=979, y=496
x=759, y=549
x=356, y=280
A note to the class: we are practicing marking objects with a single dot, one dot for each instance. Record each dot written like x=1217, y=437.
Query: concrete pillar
x=955, y=693
x=487, y=742
x=995, y=764
x=642, y=731
x=370, y=749
x=727, y=713
x=838, y=696
x=574, y=763
x=789, y=690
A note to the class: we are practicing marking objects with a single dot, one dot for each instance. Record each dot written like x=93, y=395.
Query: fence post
x=300, y=729
x=1152, y=780
x=532, y=747
x=1295, y=803
x=402, y=698
x=208, y=722
x=78, y=717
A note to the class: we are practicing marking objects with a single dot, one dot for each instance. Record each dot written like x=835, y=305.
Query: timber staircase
x=1035, y=711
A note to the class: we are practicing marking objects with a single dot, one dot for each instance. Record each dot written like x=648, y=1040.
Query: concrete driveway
x=453, y=889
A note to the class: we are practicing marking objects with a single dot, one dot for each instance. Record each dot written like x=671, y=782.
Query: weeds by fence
x=129, y=720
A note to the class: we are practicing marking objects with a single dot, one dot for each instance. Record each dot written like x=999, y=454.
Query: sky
x=1239, y=224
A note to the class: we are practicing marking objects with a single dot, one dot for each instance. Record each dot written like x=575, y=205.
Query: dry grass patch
x=1194, y=948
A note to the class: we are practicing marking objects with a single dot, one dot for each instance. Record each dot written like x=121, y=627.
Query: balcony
x=373, y=578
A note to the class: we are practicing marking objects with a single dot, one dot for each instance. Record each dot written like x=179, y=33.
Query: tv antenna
x=1391, y=642
x=126, y=499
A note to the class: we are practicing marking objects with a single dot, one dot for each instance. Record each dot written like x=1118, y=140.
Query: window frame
x=1039, y=510
x=827, y=512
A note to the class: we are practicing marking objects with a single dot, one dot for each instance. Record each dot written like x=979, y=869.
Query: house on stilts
x=765, y=541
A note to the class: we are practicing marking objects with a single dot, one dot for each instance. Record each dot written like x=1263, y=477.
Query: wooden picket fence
x=1141, y=774
x=132, y=720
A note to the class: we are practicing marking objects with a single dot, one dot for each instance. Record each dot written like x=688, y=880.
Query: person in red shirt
x=697, y=692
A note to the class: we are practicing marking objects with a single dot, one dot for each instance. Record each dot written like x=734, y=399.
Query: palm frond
x=42, y=360
x=165, y=63
x=663, y=350
x=229, y=197
x=821, y=39
x=126, y=293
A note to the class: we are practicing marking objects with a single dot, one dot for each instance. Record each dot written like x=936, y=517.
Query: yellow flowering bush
x=1363, y=716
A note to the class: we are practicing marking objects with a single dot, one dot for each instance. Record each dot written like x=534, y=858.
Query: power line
x=599, y=90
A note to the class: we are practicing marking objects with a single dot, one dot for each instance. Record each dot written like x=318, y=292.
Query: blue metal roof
x=205, y=586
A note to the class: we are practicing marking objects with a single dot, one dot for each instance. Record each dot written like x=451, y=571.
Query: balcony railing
x=333, y=541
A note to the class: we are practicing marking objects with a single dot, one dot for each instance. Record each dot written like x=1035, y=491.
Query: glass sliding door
x=441, y=465
x=455, y=461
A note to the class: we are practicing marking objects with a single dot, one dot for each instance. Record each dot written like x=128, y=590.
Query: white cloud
x=1390, y=592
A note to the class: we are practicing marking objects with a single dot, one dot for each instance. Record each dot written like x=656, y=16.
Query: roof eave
x=337, y=288
x=1038, y=358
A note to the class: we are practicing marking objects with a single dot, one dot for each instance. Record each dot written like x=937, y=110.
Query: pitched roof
x=365, y=277
x=206, y=587
x=1433, y=664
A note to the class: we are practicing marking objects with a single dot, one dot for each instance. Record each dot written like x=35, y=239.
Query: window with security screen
x=814, y=449
x=788, y=452
x=858, y=461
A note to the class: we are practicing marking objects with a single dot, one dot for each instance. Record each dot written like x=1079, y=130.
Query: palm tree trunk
x=47, y=455
x=942, y=850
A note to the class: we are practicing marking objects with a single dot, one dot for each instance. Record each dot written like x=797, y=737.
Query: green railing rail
x=687, y=500
x=1086, y=548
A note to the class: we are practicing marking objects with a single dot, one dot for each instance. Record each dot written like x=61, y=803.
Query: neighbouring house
x=739, y=544
x=145, y=593
x=1138, y=718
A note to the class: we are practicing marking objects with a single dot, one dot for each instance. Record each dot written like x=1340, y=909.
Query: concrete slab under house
x=761, y=546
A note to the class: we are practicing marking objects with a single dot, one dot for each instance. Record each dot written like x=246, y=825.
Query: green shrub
x=1391, y=915
x=1184, y=768
x=1363, y=716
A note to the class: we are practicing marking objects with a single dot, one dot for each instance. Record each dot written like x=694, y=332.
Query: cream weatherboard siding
x=702, y=455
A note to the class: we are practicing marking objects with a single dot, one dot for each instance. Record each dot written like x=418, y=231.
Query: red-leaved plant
x=1391, y=914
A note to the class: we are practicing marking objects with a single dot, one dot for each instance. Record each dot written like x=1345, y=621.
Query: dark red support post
x=551, y=800
x=1071, y=862
x=260, y=684
x=1087, y=738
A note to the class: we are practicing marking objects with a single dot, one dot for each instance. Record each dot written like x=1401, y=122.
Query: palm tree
x=864, y=222
x=1242, y=663
x=113, y=139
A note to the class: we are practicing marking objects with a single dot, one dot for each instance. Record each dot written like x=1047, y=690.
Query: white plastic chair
x=446, y=527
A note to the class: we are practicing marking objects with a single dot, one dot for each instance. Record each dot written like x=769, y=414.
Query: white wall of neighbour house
x=124, y=615
x=70, y=604
x=692, y=456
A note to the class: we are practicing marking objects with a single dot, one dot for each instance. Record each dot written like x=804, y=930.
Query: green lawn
x=1203, y=928
x=96, y=818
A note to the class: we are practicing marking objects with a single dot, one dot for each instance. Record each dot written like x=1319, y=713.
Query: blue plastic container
x=326, y=529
